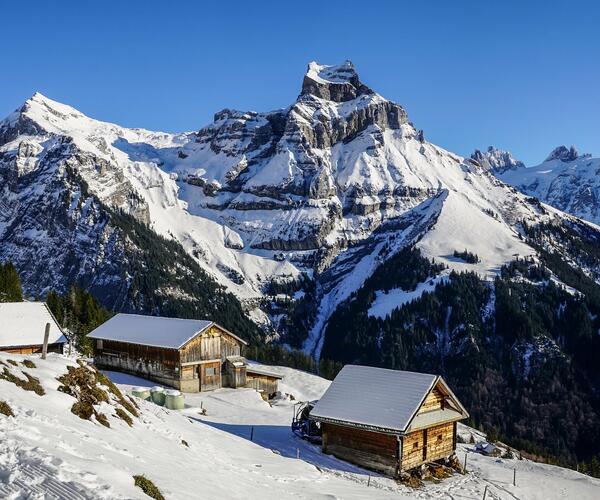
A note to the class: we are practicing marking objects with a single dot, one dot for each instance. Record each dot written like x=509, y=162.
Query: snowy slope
x=46, y=449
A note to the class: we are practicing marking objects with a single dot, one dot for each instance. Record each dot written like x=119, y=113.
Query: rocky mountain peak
x=338, y=83
x=563, y=154
x=496, y=160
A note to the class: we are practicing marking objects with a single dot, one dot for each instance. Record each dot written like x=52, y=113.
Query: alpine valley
x=334, y=227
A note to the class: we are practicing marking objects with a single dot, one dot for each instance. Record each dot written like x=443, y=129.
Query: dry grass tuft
x=148, y=487
x=123, y=415
x=31, y=384
x=5, y=409
x=83, y=383
x=28, y=363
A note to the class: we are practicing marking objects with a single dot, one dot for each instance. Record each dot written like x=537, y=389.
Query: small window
x=439, y=438
x=209, y=372
x=99, y=344
x=416, y=445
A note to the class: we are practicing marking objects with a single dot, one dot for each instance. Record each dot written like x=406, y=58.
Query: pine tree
x=10, y=284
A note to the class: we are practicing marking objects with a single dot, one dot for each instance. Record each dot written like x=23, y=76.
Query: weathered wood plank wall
x=373, y=450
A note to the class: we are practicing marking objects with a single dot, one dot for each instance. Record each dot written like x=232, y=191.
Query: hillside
x=45, y=447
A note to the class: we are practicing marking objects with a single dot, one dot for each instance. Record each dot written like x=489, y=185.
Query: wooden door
x=210, y=376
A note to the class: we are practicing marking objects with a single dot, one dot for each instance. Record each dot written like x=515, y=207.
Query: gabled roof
x=377, y=398
x=24, y=323
x=155, y=331
x=259, y=370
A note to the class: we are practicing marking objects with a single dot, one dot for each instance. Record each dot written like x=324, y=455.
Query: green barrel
x=141, y=392
x=174, y=400
x=158, y=395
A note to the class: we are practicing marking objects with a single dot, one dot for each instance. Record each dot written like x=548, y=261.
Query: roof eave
x=410, y=429
x=345, y=423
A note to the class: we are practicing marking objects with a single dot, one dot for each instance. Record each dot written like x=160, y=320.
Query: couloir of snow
x=241, y=448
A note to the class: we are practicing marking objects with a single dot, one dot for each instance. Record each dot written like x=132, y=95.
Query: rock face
x=496, y=160
x=563, y=154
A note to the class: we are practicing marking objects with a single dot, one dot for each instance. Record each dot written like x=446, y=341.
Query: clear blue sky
x=522, y=75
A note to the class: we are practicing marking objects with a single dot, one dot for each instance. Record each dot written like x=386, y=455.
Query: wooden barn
x=388, y=420
x=190, y=355
x=23, y=325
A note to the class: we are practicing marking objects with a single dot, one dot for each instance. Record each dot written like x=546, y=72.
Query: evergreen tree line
x=79, y=313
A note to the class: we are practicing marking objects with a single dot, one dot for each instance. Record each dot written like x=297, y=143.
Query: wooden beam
x=46, y=337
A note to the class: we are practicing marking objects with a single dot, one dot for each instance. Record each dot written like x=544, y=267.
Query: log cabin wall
x=373, y=450
x=155, y=363
x=440, y=441
x=230, y=346
x=433, y=401
x=202, y=348
x=211, y=344
x=413, y=445
x=427, y=445
x=32, y=349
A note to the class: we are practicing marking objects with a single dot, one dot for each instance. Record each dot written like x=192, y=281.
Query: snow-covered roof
x=155, y=331
x=374, y=397
x=262, y=371
x=24, y=323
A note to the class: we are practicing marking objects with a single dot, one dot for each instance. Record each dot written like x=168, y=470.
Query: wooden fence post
x=465, y=466
x=485, y=492
x=46, y=337
x=252, y=434
x=515, y=476
x=369, y=482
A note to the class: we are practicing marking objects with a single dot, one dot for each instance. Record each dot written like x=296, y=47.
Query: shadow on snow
x=280, y=439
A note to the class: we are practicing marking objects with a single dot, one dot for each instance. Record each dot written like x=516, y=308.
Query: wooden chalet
x=388, y=420
x=23, y=326
x=190, y=355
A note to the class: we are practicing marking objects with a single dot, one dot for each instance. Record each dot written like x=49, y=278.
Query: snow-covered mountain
x=326, y=188
x=566, y=180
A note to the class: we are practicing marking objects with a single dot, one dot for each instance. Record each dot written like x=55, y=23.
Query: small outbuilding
x=388, y=420
x=190, y=355
x=23, y=326
x=264, y=381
